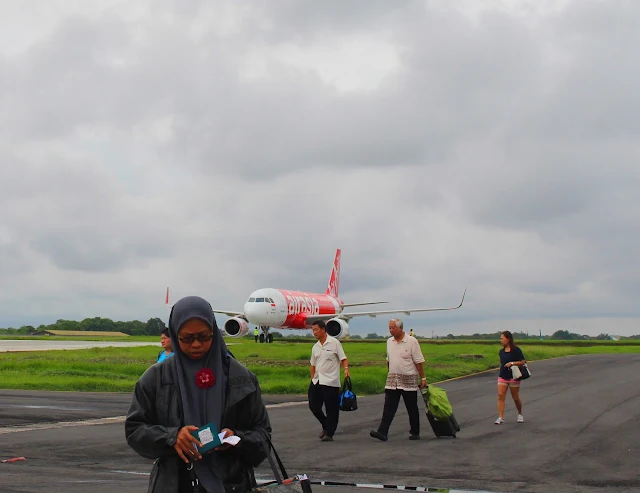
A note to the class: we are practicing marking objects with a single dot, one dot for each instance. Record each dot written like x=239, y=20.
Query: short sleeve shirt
x=508, y=357
x=326, y=358
x=403, y=357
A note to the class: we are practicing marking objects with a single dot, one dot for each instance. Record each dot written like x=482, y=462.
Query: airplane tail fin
x=166, y=298
x=333, y=288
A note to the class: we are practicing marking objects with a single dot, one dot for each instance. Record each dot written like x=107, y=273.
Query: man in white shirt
x=327, y=356
x=404, y=361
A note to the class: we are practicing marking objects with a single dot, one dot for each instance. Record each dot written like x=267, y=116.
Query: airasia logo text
x=305, y=304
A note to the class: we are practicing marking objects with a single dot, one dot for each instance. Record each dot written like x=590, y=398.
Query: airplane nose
x=251, y=311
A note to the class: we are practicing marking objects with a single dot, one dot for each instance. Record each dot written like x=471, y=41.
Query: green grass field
x=281, y=367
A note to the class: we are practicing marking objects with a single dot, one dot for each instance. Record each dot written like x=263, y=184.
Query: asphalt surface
x=581, y=434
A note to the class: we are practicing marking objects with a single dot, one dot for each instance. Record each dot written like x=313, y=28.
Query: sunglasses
x=201, y=338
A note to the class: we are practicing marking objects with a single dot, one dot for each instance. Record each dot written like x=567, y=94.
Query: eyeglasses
x=201, y=338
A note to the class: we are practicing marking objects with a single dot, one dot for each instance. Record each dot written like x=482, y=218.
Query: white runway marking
x=61, y=424
x=98, y=421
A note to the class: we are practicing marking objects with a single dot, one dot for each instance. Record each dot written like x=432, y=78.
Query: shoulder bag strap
x=276, y=473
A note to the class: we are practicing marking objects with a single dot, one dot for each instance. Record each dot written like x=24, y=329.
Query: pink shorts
x=510, y=383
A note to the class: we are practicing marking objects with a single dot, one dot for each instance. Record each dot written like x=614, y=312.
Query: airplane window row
x=260, y=300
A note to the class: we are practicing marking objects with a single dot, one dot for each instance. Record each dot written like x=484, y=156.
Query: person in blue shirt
x=165, y=341
x=510, y=355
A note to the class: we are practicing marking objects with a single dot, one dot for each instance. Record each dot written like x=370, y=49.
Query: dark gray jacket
x=154, y=419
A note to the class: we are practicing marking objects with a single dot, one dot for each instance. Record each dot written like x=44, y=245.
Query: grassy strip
x=281, y=367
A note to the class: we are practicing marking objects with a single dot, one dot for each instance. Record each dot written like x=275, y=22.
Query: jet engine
x=236, y=327
x=337, y=327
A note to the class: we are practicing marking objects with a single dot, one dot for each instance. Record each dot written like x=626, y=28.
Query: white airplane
x=297, y=310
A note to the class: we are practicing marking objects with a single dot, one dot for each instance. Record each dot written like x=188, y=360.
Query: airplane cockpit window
x=259, y=300
x=251, y=300
x=269, y=300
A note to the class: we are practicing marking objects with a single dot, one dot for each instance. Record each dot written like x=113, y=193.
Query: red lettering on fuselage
x=300, y=305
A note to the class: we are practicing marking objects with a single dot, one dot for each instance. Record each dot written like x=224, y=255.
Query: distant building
x=79, y=333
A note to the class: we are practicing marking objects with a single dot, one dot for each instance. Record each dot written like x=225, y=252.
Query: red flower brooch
x=205, y=378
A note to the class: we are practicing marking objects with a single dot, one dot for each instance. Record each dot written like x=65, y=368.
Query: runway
x=581, y=434
x=10, y=345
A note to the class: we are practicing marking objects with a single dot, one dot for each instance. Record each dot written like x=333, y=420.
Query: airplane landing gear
x=265, y=336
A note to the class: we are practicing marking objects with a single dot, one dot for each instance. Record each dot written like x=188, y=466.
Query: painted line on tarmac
x=139, y=473
x=61, y=424
x=99, y=421
x=286, y=404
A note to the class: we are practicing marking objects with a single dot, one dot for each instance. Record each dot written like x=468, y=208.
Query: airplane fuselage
x=285, y=309
x=288, y=309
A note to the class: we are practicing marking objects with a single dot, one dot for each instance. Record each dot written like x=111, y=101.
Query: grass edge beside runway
x=281, y=367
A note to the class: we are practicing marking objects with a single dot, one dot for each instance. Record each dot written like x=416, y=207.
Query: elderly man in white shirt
x=406, y=375
x=327, y=356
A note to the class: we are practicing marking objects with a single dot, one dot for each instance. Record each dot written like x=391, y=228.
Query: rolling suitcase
x=443, y=428
x=445, y=424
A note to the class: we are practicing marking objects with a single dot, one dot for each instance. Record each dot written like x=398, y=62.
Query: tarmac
x=581, y=434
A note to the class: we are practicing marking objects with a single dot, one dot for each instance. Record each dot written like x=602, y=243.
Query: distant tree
x=356, y=336
x=373, y=335
x=26, y=329
x=64, y=325
x=561, y=334
x=155, y=326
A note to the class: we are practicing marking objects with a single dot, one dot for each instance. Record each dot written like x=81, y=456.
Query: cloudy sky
x=218, y=147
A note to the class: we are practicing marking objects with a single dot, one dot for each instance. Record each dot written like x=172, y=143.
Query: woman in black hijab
x=201, y=384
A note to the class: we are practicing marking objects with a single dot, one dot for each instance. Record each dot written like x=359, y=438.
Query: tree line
x=153, y=326
x=558, y=335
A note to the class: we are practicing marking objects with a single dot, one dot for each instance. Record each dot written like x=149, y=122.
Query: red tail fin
x=333, y=288
x=166, y=299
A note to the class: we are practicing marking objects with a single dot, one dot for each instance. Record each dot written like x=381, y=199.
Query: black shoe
x=327, y=438
x=414, y=437
x=378, y=435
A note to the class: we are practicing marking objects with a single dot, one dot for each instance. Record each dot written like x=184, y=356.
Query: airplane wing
x=344, y=305
x=346, y=316
x=230, y=314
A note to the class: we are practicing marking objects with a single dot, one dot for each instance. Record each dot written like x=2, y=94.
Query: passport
x=211, y=438
x=208, y=436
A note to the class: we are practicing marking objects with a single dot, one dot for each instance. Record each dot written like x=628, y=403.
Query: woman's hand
x=225, y=446
x=186, y=443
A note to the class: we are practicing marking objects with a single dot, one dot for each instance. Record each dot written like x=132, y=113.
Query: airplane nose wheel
x=265, y=336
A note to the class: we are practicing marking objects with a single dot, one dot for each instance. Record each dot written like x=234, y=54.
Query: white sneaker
x=520, y=418
x=498, y=421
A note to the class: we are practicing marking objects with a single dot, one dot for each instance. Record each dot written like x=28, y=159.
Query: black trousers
x=330, y=397
x=391, y=401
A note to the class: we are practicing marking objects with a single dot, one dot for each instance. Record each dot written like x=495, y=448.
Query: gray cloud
x=206, y=148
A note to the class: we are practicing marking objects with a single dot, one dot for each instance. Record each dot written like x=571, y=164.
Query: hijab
x=201, y=406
